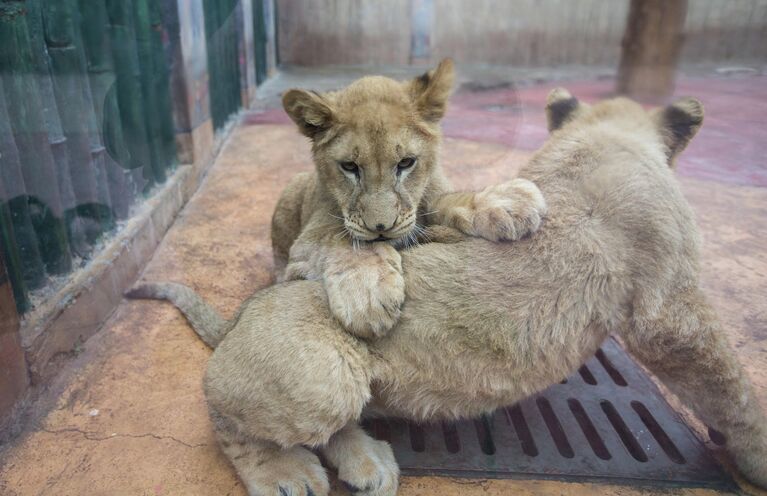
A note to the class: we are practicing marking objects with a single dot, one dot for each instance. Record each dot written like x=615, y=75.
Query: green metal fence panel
x=158, y=69
x=128, y=88
x=57, y=140
x=85, y=127
x=223, y=59
x=94, y=29
x=143, y=30
x=91, y=213
x=18, y=241
x=261, y=39
x=25, y=111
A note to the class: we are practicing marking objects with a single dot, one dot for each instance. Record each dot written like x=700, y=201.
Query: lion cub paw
x=366, y=290
x=292, y=472
x=365, y=466
x=507, y=211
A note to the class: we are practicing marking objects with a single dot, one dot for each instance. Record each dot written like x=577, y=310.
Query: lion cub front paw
x=366, y=290
x=507, y=211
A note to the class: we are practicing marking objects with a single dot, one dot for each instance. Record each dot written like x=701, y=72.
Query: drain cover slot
x=608, y=421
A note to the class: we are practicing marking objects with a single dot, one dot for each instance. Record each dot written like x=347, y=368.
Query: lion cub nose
x=379, y=227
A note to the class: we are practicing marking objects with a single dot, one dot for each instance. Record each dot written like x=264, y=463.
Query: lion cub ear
x=309, y=110
x=561, y=107
x=678, y=123
x=431, y=90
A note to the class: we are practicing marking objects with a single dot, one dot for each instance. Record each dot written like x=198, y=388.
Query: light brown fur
x=374, y=146
x=618, y=252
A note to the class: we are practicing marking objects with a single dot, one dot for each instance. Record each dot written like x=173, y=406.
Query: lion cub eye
x=349, y=167
x=405, y=163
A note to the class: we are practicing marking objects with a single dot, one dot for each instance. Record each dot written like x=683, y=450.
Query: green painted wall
x=86, y=128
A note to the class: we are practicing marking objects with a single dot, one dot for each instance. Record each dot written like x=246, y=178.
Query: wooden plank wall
x=518, y=32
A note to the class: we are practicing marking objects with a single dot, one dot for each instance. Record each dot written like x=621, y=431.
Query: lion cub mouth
x=387, y=239
x=402, y=240
x=399, y=237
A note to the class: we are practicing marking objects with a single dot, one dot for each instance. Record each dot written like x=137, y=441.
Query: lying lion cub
x=487, y=324
x=377, y=184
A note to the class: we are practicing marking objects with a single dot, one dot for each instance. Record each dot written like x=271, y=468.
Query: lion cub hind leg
x=266, y=469
x=687, y=349
x=287, y=376
x=365, y=465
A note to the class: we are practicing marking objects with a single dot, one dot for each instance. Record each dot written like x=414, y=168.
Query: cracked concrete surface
x=93, y=436
x=126, y=416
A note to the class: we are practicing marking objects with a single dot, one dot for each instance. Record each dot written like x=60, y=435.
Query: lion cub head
x=375, y=147
x=672, y=126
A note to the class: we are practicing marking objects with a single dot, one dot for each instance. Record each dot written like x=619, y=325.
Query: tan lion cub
x=377, y=184
x=619, y=252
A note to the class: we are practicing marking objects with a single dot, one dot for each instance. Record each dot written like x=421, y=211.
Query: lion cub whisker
x=428, y=213
x=343, y=233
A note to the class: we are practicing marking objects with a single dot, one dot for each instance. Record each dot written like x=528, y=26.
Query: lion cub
x=377, y=184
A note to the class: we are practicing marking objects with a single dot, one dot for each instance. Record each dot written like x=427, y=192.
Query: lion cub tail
x=206, y=322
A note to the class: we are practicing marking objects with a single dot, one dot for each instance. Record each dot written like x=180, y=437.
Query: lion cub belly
x=426, y=381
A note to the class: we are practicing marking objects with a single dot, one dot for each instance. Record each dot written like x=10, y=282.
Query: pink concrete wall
x=518, y=32
x=322, y=32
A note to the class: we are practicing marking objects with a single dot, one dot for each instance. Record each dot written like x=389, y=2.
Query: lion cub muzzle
x=381, y=229
x=379, y=216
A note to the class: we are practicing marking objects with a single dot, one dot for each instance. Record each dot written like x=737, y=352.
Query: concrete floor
x=127, y=415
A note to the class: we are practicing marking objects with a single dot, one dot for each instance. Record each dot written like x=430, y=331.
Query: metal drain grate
x=607, y=422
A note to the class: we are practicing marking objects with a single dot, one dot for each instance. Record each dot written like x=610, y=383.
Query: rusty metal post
x=651, y=46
